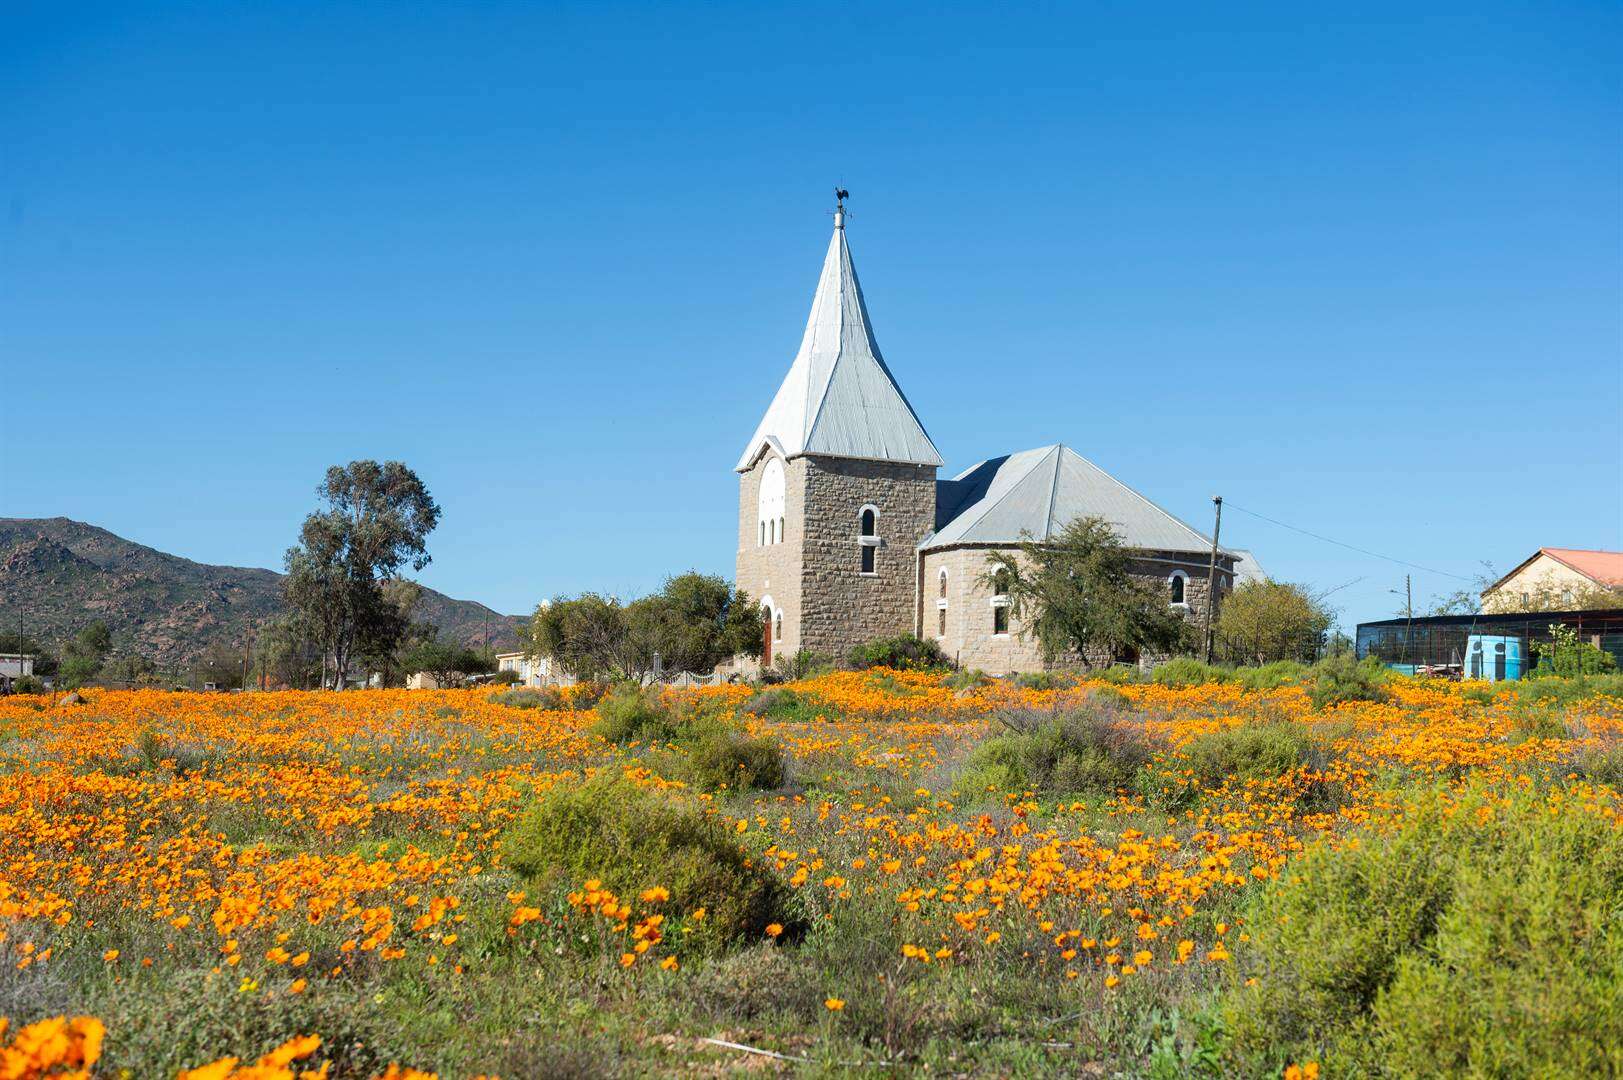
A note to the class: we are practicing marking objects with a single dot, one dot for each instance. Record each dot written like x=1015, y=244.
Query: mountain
x=68, y=574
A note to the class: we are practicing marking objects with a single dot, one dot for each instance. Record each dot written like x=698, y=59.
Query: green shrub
x=903, y=652
x=1043, y=680
x=804, y=664
x=1479, y=940
x=531, y=698
x=966, y=679
x=1270, y=676
x=1341, y=678
x=739, y=762
x=27, y=684
x=505, y=677
x=1090, y=750
x=630, y=714
x=632, y=839
x=1564, y=656
x=1568, y=691
x=779, y=702
x=1248, y=752
x=1118, y=675
x=1187, y=671
x=1602, y=764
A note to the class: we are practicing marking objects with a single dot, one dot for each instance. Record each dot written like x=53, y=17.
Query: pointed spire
x=839, y=399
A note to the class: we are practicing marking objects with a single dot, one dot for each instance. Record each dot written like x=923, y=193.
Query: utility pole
x=1408, y=608
x=1211, y=575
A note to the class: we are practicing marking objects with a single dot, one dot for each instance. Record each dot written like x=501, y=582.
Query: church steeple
x=839, y=399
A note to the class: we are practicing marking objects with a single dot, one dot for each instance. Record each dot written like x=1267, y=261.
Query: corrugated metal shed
x=839, y=398
x=1034, y=494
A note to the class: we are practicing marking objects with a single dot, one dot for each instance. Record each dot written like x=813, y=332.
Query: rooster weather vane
x=840, y=195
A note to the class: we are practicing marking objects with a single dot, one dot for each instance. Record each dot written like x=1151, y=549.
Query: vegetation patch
x=631, y=838
x=1481, y=939
x=1092, y=750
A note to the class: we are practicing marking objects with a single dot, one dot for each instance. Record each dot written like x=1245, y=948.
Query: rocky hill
x=166, y=608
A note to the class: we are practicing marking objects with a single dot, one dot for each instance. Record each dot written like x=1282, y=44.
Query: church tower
x=837, y=487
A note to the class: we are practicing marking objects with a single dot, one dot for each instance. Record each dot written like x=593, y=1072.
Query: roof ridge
x=1008, y=490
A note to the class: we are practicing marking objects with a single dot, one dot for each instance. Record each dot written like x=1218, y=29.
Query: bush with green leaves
x=633, y=838
x=1270, y=676
x=803, y=664
x=1341, y=678
x=1042, y=680
x=903, y=652
x=1482, y=939
x=1565, y=656
x=1184, y=671
x=27, y=684
x=737, y=762
x=1094, y=749
x=966, y=679
x=1118, y=675
x=630, y=714
x=531, y=697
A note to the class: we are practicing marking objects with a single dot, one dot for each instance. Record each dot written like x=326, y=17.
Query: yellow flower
x=774, y=929
x=833, y=1004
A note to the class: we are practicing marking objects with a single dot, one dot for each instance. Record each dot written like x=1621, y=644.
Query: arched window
x=868, y=539
x=769, y=503
x=1175, y=586
x=780, y=530
x=942, y=577
x=1000, y=584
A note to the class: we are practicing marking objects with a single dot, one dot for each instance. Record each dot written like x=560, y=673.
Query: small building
x=14, y=666
x=532, y=670
x=1556, y=579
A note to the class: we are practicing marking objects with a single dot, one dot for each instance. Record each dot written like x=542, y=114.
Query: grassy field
x=960, y=879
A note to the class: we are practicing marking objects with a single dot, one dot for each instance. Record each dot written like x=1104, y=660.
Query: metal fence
x=1450, y=645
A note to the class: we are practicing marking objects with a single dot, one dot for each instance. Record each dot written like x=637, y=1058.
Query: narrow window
x=1000, y=583
x=763, y=534
x=941, y=622
x=780, y=530
x=943, y=583
x=868, y=539
x=1177, y=584
x=777, y=626
x=1000, y=619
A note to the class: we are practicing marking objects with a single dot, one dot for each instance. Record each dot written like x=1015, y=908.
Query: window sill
x=867, y=573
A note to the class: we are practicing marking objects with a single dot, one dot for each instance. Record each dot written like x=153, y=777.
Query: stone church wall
x=841, y=607
x=772, y=571
x=969, y=638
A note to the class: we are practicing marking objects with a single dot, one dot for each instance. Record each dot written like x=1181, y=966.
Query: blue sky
x=1359, y=271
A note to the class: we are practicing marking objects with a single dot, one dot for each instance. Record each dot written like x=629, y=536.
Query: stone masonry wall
x=840, y=606
x=772, y=571
x=969, y=637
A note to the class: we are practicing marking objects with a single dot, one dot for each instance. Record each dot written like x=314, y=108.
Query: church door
x=766, y=641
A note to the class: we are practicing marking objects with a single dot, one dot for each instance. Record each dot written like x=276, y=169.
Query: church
x=846, y=534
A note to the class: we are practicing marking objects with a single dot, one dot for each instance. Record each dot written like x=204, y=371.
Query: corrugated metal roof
x=1034, y=494
x=839, y=398
x=1246, y=568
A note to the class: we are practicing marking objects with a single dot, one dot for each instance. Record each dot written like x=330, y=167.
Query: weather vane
x=840, y=195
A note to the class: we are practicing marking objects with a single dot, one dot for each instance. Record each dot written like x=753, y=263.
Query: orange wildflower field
x=336, y=884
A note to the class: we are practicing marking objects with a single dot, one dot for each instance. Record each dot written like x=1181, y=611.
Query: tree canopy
x=1078, y=594
x=693, y=623
x=1263, y=621
x=447, y=661
x=376, y=520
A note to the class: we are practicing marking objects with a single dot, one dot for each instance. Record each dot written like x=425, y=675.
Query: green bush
x=630, y=714
x=966, y=679
x=506, y=677
x=1602, y=764
x=1187, y=671
x=531, y=698
x=632, y=839
x=739, y=762
x=27, y=684
x=1270, y=676
x=1043, y=680
x=1118, y=675
x=779, y=703
x=1341, y=678
x=1568, y=691
x=903, y=652
x=804, y=664
x=1090, y=750
x=1479, y=940
x=1248, y=752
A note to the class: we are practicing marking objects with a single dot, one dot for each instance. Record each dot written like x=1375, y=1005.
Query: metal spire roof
x=1034, y=494
x=839, y=398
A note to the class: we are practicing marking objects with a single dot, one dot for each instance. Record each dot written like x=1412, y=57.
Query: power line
x=1350, y=547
